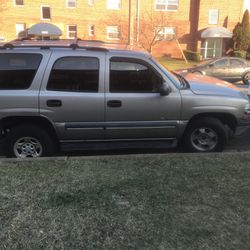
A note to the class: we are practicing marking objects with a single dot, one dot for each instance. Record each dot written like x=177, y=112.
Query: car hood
x=205, y=85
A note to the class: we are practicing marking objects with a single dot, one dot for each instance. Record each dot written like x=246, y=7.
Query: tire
x=205, y=135
x=245, y=78
x=28, y=141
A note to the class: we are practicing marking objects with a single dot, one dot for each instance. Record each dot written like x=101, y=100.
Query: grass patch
x=174, y=64
x=133, y=202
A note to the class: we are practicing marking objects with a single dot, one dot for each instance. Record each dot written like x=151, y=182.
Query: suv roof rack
x=47, y=44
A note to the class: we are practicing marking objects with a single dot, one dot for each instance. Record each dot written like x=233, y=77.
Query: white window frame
x=212, y=15
x=20, y=30
x=68, y=31
x=91, y=2
x=91, y=32
x=71, y=7
x=112, y=28
x=18, y=5
x=166, y=33
x=42, y=12
x=114, y=4
x=166, y=3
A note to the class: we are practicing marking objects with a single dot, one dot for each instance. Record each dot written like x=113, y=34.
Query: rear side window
x=133, y=76
x=75, y=74
x=17, y=71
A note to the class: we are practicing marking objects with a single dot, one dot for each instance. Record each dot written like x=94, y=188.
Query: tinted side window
x=75, y=74
x=17, y=71
x=129, y=76
x=236, y=63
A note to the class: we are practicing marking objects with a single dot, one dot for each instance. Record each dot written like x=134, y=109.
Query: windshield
x=179, y=81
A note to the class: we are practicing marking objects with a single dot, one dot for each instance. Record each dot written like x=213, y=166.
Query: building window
x=19, y=2
x=165, y=33
x=166, y=5
x=113, y=4
x=113, y=33
x=71, y=3
x=91, y=30
x=46, y=12
x=20, y=27
x=72, y=31
x=91, y=2
x=213, y=16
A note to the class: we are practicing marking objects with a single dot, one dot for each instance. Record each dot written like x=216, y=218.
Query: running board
x=111, y=145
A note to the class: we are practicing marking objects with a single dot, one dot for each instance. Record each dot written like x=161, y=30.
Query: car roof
x=94, y=45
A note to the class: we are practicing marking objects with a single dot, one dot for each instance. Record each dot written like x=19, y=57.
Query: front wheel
x=246, y=78
x=205, y=135
x=28, y=141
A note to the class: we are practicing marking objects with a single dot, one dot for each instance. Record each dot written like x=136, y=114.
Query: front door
x=134, y=107
x=219, y=68
x=72, y=95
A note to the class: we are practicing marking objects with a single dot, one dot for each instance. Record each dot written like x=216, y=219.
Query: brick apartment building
x=136, y=22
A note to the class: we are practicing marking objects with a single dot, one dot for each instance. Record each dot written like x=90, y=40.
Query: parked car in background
x=231, y=69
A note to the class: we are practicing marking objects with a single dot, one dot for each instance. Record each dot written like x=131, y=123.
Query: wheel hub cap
x=204, y=139
x=27, y=147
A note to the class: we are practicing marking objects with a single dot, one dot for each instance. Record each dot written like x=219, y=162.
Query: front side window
x=74, y=74
x=166, y=5
x=113, y=33
x=132, y=76
x=221, y=63
x=46, y=12
x=72, y=31
x=113, y=4
x=17, y=71
x=19, y=2
x=213, y=16
x=71, y=3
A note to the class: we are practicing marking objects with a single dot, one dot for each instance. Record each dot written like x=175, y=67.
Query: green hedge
x=240, y=53
x=193, y=56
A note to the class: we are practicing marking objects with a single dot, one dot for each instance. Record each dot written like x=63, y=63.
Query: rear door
x=134, y=107
x=236, y=69
x=72, y=94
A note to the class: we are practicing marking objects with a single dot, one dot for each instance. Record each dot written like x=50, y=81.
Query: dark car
x=231, y=69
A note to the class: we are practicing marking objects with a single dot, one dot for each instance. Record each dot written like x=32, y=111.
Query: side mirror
x=210, y=65
x=164, y=89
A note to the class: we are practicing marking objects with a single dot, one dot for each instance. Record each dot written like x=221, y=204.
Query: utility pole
x=130, y=24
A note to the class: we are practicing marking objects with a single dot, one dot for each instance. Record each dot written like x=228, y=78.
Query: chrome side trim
x=119, y=140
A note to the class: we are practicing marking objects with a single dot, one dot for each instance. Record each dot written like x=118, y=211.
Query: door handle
x=54, y=103
x=114, y=103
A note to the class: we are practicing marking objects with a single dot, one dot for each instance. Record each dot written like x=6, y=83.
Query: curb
x=121, y=156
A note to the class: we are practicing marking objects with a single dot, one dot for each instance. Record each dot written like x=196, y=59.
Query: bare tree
x=152, y=27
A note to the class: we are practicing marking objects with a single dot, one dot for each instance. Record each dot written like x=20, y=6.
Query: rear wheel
x=28, y=141
x=205, y=135
x=246, y=78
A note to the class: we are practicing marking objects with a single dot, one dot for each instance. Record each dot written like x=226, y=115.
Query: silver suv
x=60, y=96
